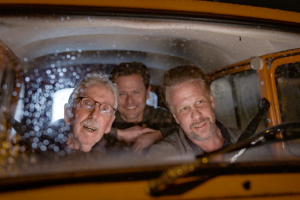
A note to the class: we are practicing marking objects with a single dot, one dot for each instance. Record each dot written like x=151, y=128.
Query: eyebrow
x=103, y=102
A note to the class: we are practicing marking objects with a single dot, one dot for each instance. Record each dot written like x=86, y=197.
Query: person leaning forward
x=89, y=114
x=137, y=125
x=187, y=93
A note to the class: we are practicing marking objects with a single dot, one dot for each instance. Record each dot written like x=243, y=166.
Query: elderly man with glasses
x=89, y=115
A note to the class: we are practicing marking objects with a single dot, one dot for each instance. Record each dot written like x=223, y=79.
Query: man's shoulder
x=229, y=132
x=169, y=146
x=158, y=115
x=172, y=138
x=152, y=110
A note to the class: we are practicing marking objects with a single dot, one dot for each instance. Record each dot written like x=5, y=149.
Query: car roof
x=161, y=34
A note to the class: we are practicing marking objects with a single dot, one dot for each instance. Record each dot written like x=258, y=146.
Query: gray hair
x=98, y=78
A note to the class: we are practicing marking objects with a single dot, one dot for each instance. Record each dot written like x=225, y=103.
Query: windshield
x=43, y=58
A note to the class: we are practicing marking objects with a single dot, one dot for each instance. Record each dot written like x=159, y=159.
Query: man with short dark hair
x=137, y=125
x=187, y=93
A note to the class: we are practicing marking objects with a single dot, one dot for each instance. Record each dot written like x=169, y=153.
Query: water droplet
x=56, y=149
x=10, y=160
x=32, y=160
x=43, y=148
x=34, y=145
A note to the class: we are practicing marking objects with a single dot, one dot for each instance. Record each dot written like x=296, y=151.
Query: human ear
x=212, y=101
x=148, y=92
x=176, y=119
x=108, y=128
x=67, y=117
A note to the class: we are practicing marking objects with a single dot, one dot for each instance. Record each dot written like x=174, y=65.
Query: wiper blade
x=251, y=128
x=157, y=186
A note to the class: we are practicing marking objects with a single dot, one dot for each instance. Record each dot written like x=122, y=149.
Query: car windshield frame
x=144, y=170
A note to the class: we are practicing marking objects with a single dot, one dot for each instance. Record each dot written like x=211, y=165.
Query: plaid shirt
x=154, y=118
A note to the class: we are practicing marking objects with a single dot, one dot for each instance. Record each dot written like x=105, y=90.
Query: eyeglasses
x=89, y=104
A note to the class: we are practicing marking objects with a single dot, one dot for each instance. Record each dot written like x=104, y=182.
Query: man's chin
x=201, y=136
x=130, y=116
x=86, y=148
x=89, y=140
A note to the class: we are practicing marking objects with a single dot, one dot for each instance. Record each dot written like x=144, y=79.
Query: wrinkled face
x=133, y=96
x=89, y=126
x=192, y=107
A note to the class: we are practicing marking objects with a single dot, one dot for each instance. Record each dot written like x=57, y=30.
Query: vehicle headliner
x=159, y=43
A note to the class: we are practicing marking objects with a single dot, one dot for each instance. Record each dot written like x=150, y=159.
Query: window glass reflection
x=287, y=79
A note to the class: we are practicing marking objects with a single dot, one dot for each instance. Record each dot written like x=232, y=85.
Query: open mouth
x=131, y=108
x=90, y=128
x=200, y=125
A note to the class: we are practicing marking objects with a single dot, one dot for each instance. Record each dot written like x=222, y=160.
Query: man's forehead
x=181, y=93
x=189, y=85
x=96, y=91
x=129, y=76
x=130, y=82
x=87, y=88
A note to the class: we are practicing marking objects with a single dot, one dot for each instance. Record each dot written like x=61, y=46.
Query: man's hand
x=146, y=140
x=131, y=134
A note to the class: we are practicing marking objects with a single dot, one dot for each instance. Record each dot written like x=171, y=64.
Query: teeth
x=130, y=108
x=200, y=126
x=89, y=128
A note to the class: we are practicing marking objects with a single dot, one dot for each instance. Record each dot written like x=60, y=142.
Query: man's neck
x=75, y=144
x=214, y=143
x=136, y=120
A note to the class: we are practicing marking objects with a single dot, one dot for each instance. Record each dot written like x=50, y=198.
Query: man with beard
x=89, y=115
x=137, y=125
x=187, y=93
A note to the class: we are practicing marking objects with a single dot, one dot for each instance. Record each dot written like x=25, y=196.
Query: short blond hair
x=182, y=74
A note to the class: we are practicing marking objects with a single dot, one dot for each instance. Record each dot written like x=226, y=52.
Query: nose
x=94, y=113
x=129, y=99
x=196, y=114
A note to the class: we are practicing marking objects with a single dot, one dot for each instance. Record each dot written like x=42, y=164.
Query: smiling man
x=137, y=125
x=187, y=94
x=89, y=114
